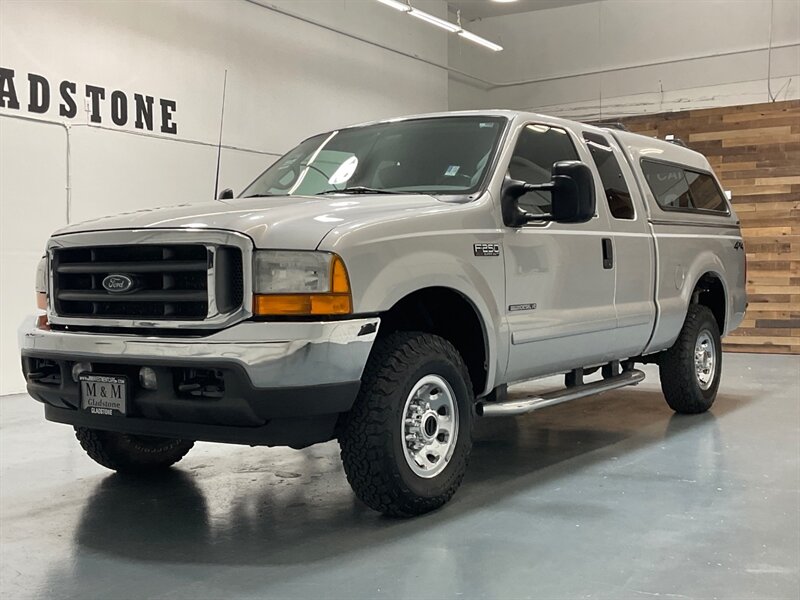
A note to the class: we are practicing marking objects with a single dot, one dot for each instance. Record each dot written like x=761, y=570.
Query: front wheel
x=127, y=453
x=406, y=442
x=690, y=370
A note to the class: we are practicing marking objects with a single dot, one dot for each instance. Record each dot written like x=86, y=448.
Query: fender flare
x=392, y=284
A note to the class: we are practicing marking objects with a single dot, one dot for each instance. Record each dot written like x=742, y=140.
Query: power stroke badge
x=518, y=307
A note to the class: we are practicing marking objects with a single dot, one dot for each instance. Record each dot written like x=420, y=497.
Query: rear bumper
x=283, y=383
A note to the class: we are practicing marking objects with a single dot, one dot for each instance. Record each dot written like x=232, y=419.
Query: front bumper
x=283, y=383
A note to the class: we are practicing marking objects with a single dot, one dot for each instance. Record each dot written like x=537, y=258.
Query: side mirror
x=226, y=194
x=571, y=189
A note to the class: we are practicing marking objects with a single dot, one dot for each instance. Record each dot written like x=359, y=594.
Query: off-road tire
x=128, y=453
x=677, y=369
x=371, y=443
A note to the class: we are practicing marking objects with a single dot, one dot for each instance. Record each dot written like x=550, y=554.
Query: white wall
x=622, y=57
x=287, y=79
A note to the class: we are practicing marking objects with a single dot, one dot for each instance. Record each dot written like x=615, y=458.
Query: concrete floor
x=607, y=497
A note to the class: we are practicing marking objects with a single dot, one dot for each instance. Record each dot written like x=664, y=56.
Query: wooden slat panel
x=755, y=151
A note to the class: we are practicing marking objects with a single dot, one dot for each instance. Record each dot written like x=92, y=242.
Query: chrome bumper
x=272, y=354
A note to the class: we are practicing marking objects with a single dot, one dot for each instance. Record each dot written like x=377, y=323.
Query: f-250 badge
x=486, y=249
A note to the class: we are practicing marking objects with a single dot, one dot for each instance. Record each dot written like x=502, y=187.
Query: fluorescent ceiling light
x=403, y=6
x=443, y=23
x=504, y=1
x=451, y=27
x=479, y=40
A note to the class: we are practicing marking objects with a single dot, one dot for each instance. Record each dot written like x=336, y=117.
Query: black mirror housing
x=572, y=194
x=226, y=194
x=513, y=215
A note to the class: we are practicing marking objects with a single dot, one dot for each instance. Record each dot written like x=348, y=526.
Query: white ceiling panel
x=481, y=9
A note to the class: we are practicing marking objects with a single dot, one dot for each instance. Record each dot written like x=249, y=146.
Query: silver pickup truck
x=382, y=285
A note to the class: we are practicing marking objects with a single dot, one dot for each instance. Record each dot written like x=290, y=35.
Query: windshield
x=446, y=155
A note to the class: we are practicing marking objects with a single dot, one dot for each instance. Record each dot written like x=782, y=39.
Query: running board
x=526, y=405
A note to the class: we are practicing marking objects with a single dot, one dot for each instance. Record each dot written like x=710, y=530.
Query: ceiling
x=481, y=9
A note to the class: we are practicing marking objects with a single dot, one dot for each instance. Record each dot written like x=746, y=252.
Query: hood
x=296, y=222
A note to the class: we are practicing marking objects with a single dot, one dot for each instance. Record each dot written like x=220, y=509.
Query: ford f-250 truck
x=382, y=285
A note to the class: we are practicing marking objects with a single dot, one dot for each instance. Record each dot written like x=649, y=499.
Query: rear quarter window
x=680, y=188
x=616, y=188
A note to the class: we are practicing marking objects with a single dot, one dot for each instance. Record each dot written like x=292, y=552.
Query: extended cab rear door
x=633, y=251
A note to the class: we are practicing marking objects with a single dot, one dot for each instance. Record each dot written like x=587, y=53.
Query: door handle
x=608, y=254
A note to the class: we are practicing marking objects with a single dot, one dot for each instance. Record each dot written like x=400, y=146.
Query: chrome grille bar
x=181, y=278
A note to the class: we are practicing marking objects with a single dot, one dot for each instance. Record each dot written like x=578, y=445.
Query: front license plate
x=103, y=394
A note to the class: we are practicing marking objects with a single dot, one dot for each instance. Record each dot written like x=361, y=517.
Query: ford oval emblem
x=118, y=284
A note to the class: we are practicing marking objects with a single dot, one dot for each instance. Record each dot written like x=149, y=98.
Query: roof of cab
x=639, y=146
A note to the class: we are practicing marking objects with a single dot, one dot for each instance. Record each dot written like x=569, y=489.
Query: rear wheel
x=406, y=442
x=128, y=453
x=690, y=370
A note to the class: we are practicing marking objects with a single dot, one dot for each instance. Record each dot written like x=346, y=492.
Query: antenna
x=219, y=143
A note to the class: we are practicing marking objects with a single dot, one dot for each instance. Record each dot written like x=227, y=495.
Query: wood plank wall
x=755, y=151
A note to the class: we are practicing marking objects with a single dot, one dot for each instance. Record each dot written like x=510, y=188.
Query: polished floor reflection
x=607, y=497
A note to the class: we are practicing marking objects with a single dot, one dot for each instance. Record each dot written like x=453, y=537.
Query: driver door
x=559, y=291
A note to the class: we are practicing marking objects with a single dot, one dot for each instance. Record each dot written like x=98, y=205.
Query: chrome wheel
x=430, y=426
x=705, y=359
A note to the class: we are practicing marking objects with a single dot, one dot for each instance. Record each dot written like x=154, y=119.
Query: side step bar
x=526, y=405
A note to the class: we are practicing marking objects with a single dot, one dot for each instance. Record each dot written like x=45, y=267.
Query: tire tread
x=363, y=441
x=118, y=451
x=676, y=365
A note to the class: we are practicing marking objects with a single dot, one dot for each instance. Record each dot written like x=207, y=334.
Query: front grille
x=169, y=282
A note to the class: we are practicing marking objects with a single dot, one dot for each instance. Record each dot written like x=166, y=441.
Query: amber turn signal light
x=302, y=304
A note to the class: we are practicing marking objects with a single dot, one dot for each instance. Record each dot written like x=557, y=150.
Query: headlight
x=41, y=284
x=300, y=283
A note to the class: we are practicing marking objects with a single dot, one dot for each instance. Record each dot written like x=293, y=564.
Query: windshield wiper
x=260, y=196
x=358, y=189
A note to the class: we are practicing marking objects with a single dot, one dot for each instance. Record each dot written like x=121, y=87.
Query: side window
x=538, y=147
x=705, y=193
x=616, y=188
x=668, y=184
x=677, y=188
